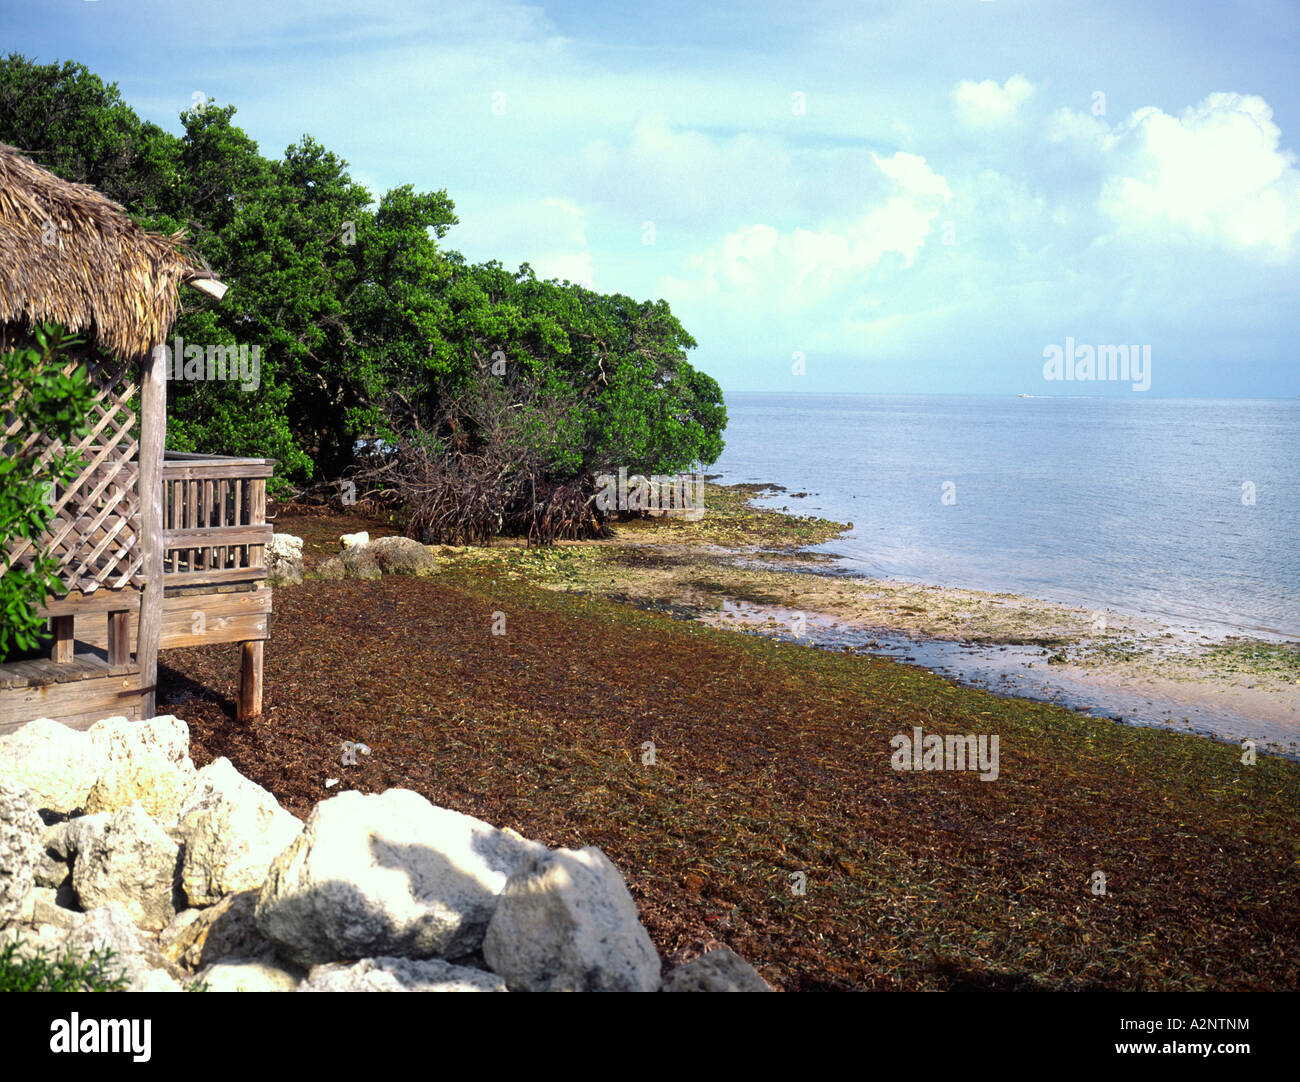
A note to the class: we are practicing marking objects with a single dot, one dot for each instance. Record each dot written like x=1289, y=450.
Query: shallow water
x=1129, y=502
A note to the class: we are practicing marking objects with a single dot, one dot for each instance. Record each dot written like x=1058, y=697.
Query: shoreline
x=770, y=759
x=1217, y=710
x=1193, y=629
x=755, y=570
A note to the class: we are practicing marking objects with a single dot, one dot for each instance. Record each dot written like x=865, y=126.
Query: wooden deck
x=78, y=693
x=213, y=552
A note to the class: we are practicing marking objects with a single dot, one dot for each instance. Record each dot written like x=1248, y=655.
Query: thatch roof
x=72, y=256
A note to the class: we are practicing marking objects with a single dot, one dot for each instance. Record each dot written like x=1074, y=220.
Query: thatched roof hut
x=125, y=529
x=71, y=256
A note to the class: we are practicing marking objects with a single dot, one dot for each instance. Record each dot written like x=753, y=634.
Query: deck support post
x=250, y=680
x=119, y=643
x=61, y=650
x=153, y=435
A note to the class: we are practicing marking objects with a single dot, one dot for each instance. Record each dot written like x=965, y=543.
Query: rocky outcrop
x=146, y=762
x=58, y=765
x=403, y=556
x=45, y=905
x=203, y=937
x=566, y=923
x=249, y=975
x=360, y=563
x=20, y=846
x=362, y=558
x=67, y=837
x=332, y=569
x=110, y=928
x=354, y=563
x=400, y=975
x=131, y=862
x=164, y=738
x=213, y=884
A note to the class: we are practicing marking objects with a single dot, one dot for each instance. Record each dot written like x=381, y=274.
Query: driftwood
x=482, y=466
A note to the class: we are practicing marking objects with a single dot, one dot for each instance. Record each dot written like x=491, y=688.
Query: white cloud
x=1168, y=228
x=760, y=266
x=1217, y=173
x=549, y=233
x=662, y=172
x=987, y=105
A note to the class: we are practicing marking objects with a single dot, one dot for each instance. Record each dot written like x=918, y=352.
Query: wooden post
x=205, y=520
x=64, y=644
x=153, y=437
x=119, y=646
x=257, y=517
x=250, y=680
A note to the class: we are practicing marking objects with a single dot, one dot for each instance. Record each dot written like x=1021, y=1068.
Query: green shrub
x=62, y=973
x=35, y=392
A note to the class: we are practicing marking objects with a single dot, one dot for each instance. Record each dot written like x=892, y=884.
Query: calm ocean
x=1140, y=504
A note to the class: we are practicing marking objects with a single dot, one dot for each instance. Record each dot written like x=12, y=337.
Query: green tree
x=636, y=400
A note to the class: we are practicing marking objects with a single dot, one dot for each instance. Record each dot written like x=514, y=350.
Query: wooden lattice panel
x=95, y=533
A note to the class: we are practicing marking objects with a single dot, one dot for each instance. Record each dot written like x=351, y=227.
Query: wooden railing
x=214, y=535
x=214, y=519
x=214, y=542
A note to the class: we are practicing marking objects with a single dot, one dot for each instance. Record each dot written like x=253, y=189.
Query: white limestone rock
x=403, y=556
x=202, y=937
x=132, y=862
x=566, y=923
x=284, y=560
x=145, y=761
x=400, y=975
x=111, y=927
x=165, y=736
x=20, y=846
x=232, y=829
x=51, y=871
x=250, y=975
x=30, y=939
x=332, y=569
x=47, y=908
x=67, y=838
x=58, y=764
x=359, y=563
x=720, y=970
x=390, y=874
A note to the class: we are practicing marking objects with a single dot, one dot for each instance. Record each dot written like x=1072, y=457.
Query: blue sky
x=900, y=197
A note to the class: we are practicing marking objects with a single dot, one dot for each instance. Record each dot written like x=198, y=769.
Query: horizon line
x=1016, y=394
